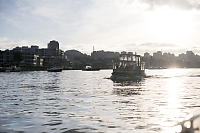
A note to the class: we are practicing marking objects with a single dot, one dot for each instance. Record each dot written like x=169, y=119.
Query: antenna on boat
x=93, y=48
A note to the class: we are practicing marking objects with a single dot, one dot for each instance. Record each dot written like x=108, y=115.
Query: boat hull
x=92, y=69
x=127, y=76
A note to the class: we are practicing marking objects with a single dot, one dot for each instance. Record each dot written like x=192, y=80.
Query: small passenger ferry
x=128, y=67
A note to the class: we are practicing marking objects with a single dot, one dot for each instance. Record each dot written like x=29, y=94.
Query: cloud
x=180, y=4
x=7, y=43
x=160, y=45
x=79, y=24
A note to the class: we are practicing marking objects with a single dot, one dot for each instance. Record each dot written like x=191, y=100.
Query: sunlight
x=173, y=90
x=169, y=24
x=173, y=72
x=172, y=111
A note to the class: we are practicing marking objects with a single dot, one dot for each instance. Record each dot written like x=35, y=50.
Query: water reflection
x=126, y=83
x=172, y=111
x=174, y=88
x=76, y=101
x=127, y=88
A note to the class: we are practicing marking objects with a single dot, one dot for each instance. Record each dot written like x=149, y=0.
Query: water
x=82, y=101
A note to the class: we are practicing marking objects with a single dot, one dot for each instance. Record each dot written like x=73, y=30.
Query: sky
x=115, y=25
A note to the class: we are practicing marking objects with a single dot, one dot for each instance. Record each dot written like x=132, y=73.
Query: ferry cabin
x=129, y=62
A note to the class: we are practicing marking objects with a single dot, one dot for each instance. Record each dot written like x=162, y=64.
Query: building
x=32, y=57
x=147, y=59
x=53, y=45
x=1, y=58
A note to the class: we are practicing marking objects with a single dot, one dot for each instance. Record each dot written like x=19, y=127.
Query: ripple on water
x=88, y=102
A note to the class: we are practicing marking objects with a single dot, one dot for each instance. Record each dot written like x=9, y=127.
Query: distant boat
x=128, y=67
x=7, y=70
x=54, y=69
x=11, y=69
x=90, y=68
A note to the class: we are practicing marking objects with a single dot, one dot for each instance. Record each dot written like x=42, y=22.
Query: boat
x=90, y=68
x=189, y=125
x=11, y=69
x=54, y=69
x=128, y=67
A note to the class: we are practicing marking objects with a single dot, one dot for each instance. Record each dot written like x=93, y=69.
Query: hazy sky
x=133, y=25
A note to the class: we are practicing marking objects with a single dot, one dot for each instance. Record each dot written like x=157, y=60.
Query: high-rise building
x=53, y=45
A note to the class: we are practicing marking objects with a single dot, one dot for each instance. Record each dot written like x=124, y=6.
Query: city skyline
x=122, y=25
x=36, y=58
x=101, y=50
x=151, y=52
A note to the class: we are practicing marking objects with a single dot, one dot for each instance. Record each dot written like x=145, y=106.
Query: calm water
x=81, y=101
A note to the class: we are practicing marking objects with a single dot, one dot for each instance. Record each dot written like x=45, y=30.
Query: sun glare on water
x=173, y=72
x=173, y=87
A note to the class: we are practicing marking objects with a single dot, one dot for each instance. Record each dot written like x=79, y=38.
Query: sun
x=169, y=25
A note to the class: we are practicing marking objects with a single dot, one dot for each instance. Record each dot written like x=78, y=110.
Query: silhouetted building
x=167, y=60
x=34, y=49
x=53, y=45
x=34, y=57
x=147, y=59
x=1, y=58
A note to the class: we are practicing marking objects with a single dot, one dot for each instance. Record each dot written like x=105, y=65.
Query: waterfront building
x=34, y=49
x=7, y=58
x=34, y=56
x=147, y=59
x=1, y=58
x=19, y=57
x=53, y=45
x=30, y=60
